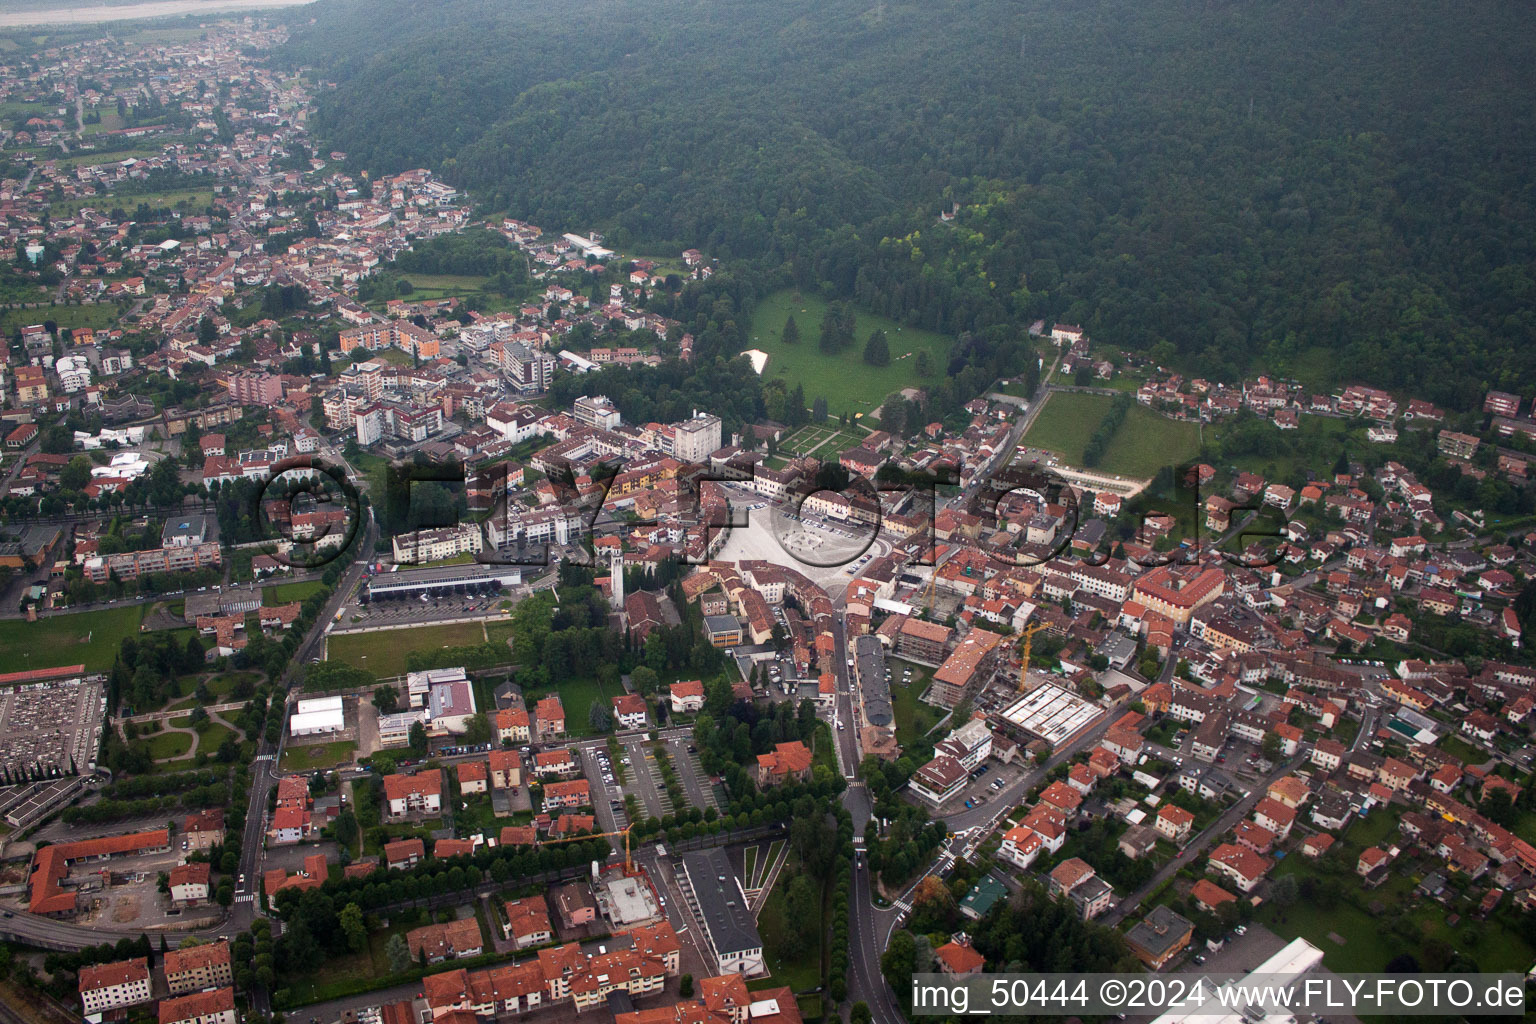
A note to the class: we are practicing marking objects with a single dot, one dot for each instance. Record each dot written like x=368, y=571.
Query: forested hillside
x=1337, y=189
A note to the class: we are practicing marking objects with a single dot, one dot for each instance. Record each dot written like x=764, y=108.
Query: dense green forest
x=1334, y=190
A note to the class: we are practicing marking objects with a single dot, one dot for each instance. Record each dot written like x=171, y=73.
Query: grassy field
x=844, y=380
x=95, y=315
x=1144, y=443
x=317, y=755
x=165, y=745
x=1458, y=747
x=192, y=198
x=221, y=684
x=208, y=739
x=282, y=593
x=110, y=121
x=441, y=286
x=88, y=638
x=384, y=654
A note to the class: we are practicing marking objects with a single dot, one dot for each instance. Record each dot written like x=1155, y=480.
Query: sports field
x=383, y=653
x=1145, y=442
x=844, y=380
x=87, y=638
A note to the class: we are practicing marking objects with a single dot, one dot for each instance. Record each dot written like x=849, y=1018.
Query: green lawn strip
x=749, y=866
x=189, y=198
x=210, y=738
x=824, y=752
x=441, y=284
x=844, y=380
x=1065, y=423
x=284, y=593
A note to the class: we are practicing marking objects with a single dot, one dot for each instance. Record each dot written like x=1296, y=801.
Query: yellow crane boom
x=1028, y=638
x=628, y=866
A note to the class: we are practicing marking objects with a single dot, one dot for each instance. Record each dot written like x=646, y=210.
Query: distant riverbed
x=99, y=14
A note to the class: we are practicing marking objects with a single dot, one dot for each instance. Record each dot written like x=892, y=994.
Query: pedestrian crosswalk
x=901, y=907
x=246, y=897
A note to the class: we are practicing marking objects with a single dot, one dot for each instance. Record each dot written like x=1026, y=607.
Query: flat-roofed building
x=1159, y=937
x=317, y=716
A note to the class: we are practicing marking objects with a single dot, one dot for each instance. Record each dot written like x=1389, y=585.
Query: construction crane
x=629, y=868
x=1028, y=636
x=933, y=579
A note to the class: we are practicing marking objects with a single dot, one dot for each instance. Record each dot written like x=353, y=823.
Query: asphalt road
x=1223, y=824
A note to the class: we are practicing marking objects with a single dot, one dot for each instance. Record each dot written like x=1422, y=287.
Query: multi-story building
x=421, y=793
x=189, y=883
x=255, y=388
x=527, y=922
x=401, y=334
x=127, y=565
x=1159, y=937
x=512, y=725
x=528, y=370
x=1458, y=445
x=198, y=967
x=31, y=385
x=213, y=1007
x=694, y=439
x=596, y=411
x=967, y=667
x=114, y=986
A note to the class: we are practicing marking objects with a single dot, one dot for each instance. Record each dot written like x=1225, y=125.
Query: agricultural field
x=87, y=638
x=844, y=380
x=383, y=654
x=1144, y=444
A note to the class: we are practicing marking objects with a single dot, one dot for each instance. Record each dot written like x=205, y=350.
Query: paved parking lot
x=701, y=793
x=594, y=761
x=646, y=778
